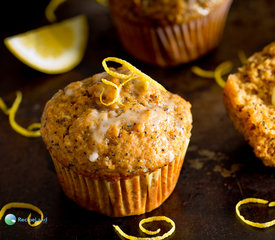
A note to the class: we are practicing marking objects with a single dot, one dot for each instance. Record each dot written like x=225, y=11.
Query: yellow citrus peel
x=103, y=2
x=202, y=73
x=34, y=126
x=223, y=68
x=117, y=96
x=4, y=107
x=220, y=70
x=11, y=112
x=242, y=56
x=135, y=73
x=50, y=9
x=24, y=206
x=147, y=220
x=254, y=200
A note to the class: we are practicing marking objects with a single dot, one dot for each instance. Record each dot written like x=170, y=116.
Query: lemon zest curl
x=11, y=112
x=250, y=223
x=4, y=107
x=242, y=56
x=34, y=126
x=133, y=69
x=24, y=206
x=202, y=73
x=50, y=9
x=220, y=70
x=103, y=2
x=117, y=98
x=135, y=73
x=148, y=232
x=118, y=89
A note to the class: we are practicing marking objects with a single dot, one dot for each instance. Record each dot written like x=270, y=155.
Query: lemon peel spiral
x=148, y=232
x=50, y=9
x=220, y=70
x=34, y=126
x=32, y=131
x=202, y=73
x=242, y=56
x=4, y=107
x=24, y=206
x=135, y=73
x=103, y=2
x=251, y=223
x=117, y=96
x=223, y=68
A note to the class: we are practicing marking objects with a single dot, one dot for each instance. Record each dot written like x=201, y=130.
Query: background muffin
x=119, y=157
x=169, y=32
x=249, y=98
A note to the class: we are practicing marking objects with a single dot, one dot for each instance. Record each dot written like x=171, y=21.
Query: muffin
x=249, y=98
x=117, y=140
x=169, y=32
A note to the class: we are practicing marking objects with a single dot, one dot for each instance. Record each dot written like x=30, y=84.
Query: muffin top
x=108, y=127
x=249, y=97
x=163, y=11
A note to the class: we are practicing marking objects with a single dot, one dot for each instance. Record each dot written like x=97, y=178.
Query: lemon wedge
x=52, y=49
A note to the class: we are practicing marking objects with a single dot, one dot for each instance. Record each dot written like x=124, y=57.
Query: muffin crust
x=163, y=12
x=118, y=141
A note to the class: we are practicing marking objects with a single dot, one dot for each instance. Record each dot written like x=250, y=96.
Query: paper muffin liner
x=123, y=197
x=173, y=44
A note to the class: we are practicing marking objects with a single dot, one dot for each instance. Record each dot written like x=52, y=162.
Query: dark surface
x=203, y=203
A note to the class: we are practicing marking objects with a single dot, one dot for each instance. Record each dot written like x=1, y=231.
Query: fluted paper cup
x=173, y=44
x=125, y=196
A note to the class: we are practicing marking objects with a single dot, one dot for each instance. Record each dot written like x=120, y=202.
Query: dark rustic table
x=220, y=168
